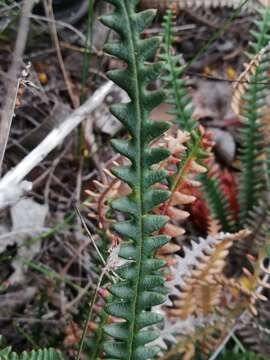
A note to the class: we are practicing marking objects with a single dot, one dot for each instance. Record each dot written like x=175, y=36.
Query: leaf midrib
x=139, y=195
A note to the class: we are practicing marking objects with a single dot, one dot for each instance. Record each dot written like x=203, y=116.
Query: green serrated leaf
x=138, y=290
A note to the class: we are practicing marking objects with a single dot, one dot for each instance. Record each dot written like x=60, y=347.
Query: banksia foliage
x=205, y=300
x=253, y=100
x=177, y=95
x=257, y=280
x=243, y=356
x=186, y=4
x=258, y=222
x=195, y=277
x=179, y=99
x=100, y=198
x=255, y=333
x=183, y=169
x=141, y=284
x=216, y=200
x=211, y=337
x=242, y=84
x=41, y=354
x=162, y=173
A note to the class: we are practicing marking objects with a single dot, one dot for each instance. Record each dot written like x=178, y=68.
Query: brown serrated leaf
x=243, y=80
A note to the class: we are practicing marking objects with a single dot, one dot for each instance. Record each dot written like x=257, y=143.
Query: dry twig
x=11, y=186
x=49, y=12
x=12, y=85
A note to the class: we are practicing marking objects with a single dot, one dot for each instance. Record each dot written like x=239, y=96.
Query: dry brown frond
x=187, y=4
x=200, y=291
x=243, y=80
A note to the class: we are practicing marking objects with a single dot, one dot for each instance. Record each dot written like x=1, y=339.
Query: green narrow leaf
x=141, y=284
x=251, y=180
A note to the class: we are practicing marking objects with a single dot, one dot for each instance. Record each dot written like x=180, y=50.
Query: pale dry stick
x=45, y=172
x=49, y=12
x=12, y=85
x=12, y=186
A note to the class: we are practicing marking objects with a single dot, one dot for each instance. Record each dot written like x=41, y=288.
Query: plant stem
x=88, y=47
